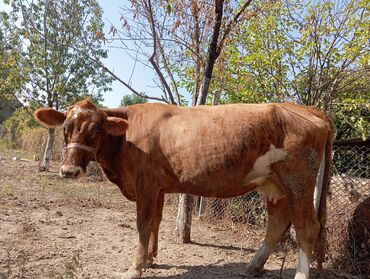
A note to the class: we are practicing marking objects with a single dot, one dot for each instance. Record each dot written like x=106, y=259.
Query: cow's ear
x=116, y=126
x=49, y=117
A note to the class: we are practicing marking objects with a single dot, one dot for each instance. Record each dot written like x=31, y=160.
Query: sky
x=119, y=61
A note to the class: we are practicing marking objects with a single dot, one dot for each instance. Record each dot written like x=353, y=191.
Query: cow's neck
x=110, y=156
x=110, y=159
x=107, y=155
x=111, y=145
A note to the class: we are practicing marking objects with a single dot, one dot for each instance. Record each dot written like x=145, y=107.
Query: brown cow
x=148, y=150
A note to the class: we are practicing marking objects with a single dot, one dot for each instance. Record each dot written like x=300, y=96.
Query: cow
x=281, y=150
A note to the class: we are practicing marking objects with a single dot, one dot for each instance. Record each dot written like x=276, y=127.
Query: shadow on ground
x=230, y=271
x=229, y=247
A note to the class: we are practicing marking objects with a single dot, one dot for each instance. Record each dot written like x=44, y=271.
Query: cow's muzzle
x=74, y=172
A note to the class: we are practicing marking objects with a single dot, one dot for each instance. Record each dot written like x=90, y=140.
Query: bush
x=21, y=120
x=34, y=140
x=23, y=132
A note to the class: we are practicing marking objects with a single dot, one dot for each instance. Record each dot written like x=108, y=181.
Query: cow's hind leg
x=146, y=204
x=153, y=241
x=278, y=223
x=307, y=229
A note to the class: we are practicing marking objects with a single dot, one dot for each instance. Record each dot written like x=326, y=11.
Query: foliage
x=350, y=110
x=20, y=121
x=11, y=75
x=8, y=106
x=132, y=99
x=57, y=38
x=351, y=118
x=304, y=52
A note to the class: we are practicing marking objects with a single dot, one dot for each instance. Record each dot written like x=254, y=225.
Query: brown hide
x=206, y=151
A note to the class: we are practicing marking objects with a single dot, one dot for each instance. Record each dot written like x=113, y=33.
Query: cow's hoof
x=252, y=270
x=132, y=274
x=301, y=275
x=149, y=263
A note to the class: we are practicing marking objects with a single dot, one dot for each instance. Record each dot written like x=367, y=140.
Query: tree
x=58, y=37
x=132, y=99
x=309, y=53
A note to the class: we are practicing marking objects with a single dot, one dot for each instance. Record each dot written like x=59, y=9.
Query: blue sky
x=119, y=61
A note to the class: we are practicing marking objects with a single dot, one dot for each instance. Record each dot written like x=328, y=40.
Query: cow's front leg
x=146, y=211
x=153, y=240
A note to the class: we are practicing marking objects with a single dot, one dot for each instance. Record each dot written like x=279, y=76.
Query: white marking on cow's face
x=77, y=110
x=303, y=267
x=261, y=167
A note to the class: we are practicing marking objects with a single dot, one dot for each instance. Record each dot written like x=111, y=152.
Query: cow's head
x=84, y=127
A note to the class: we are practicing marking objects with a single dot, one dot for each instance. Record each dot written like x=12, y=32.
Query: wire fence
x=348, y=221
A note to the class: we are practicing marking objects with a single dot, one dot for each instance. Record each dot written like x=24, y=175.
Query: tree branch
x=231, y=25
x=213, y=53
x=150, y=18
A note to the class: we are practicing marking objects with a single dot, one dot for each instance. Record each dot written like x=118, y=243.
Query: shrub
x=23, y=132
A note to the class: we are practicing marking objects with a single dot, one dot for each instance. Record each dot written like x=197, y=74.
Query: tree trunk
x=213, y=53
x=45, y=163
x=186, y=202
x=184, y=217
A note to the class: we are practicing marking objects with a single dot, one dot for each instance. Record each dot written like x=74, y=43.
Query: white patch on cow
x=303, y=266
x=319, y=182
x=261, y=167
x=77, y=110
x=132, y=273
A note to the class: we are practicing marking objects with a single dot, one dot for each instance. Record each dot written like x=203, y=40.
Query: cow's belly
x=269, y=186
x=216, y=190
x=223, y=177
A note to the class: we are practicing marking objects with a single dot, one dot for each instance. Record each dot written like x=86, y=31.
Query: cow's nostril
x=67, y=174
x=70, y=172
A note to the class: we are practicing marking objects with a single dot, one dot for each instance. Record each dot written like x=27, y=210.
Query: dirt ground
x=54, y=228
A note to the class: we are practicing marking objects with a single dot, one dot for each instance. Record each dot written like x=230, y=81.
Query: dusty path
x=54, y=228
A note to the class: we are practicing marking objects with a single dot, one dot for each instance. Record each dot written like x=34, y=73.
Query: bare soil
x=55, y=228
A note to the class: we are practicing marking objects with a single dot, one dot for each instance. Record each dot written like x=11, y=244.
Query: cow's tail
x=320, y=196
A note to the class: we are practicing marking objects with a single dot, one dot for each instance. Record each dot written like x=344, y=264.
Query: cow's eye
x=95, y=129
